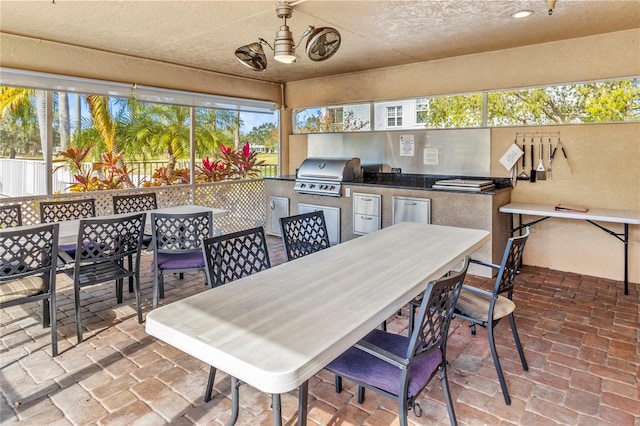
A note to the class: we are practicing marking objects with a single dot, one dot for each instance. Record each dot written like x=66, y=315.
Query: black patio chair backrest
x=28, y=262
x=56, y=211
x=304, y=234
x=180, y=232
x=233, y=256
x=10, y=215
x=104, y=249
x=133, y=203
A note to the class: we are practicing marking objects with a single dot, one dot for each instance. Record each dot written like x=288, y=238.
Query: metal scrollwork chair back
x=304, y=234
x=231, y=257
x=28, y=261
x=400, y=367
x=177, y=242
x=104, y=247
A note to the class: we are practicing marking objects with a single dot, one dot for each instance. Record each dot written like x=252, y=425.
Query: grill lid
x=324, y=176
x=330, y=169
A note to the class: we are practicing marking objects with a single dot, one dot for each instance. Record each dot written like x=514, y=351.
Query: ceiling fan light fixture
x=283, y=47
x=322, y=43
x=252, y=56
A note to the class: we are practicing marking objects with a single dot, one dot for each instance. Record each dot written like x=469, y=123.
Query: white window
x=422, y=107
x=394, y=116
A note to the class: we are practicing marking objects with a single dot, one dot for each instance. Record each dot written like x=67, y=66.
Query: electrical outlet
x=347, y=192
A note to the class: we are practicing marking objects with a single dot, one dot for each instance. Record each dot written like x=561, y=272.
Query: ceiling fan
x=322, y=44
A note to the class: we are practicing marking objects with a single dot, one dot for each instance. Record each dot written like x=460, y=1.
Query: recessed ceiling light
x=522, y=14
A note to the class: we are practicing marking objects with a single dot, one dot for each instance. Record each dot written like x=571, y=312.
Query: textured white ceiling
x=375, y=33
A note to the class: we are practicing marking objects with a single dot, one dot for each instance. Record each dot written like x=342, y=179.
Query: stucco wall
x=44, y=56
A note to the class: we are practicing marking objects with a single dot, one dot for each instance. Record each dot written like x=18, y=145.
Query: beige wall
x=605, y=157
x=44, y=56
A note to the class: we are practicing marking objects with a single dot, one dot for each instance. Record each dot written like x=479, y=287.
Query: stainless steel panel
x=463, y=152
x=407, y=209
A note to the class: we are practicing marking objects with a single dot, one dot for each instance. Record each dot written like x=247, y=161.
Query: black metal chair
x=231, y=257
x=103, y=245
x=56, y=211
x=486, y=309
x=304, y=234
x=177, y=241
x=400, y=367
x=134, y=203
x=10, y=216
x=28, y=261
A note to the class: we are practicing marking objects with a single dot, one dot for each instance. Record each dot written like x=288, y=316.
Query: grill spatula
x=540, y=172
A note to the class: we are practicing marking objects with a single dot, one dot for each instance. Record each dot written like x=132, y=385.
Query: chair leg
x=412, y=319
x=209, y=390
x=338, y=384
x=383, y=326
x=76, y=289
x=512, y=320
x=130, y=278
x=496, y=362
x=46, y=318
x=138, y=301
x=360, y=394
x=119, y=285
x=403, y=411
x=53, y=324
x=156, y=289
x=447, y=394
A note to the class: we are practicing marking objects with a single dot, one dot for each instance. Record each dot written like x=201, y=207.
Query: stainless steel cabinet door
x=407, y=209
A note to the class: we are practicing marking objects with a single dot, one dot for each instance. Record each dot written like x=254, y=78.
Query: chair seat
x=70, y=249
x=190, y=260
x=95, y=273
x=360, y=366
x=477, y=306
x=21, y=289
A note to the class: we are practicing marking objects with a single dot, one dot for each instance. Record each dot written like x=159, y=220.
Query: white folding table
x=277, y=328
x=626, y=217
x=69, y=228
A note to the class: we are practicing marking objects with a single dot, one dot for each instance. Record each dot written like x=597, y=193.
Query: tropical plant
x=107, y=174
x=211, y=171
x=241, y=164
x=162, y=177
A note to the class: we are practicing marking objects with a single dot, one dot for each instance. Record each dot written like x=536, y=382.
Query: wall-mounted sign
x=407, y=146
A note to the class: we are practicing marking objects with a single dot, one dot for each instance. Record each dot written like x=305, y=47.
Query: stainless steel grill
x=324, y=176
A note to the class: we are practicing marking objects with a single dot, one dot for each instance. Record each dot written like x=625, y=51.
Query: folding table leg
x=235, y=401
x=303, y=399
x=276, y=409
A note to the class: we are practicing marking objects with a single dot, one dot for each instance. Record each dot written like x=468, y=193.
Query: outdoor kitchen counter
x=415, y=182
x=467, y=209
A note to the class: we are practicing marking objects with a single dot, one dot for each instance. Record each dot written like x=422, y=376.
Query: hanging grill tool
x=523, y=175
x=540, y=172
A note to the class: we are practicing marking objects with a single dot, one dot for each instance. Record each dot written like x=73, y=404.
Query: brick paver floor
x=580, y=337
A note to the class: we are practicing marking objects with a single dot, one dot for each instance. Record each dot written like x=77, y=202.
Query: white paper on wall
x=510, y=158
x=407, y=146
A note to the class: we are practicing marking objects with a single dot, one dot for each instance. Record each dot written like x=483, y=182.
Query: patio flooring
x=580, y=336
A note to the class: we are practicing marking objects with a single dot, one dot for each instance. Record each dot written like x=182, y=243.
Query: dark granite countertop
x=415, y=181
